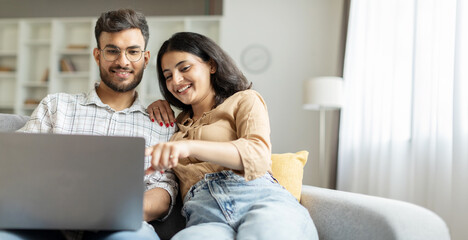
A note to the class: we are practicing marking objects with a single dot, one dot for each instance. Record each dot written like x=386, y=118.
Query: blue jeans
x=225, y=206
x=146, y=232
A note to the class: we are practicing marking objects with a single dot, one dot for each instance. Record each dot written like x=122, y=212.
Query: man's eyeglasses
x=111, y=54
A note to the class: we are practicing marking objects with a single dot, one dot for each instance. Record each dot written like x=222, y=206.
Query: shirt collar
x=92, y=98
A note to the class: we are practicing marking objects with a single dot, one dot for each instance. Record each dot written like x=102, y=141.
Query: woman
x=222, y=150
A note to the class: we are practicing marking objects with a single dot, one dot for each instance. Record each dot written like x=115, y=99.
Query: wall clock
x=255, y=58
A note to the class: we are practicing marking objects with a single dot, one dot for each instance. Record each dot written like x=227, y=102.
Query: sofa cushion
x=288, y=169
x=11, y=122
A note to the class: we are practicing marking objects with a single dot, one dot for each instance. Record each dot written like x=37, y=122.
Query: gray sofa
x=336, y=214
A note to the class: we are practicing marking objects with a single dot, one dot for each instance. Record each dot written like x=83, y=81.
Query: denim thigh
x=263, y=204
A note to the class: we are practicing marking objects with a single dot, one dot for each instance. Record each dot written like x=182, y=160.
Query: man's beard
x=120, y=87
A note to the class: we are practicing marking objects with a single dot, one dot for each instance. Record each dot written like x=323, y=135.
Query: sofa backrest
x=11, y=122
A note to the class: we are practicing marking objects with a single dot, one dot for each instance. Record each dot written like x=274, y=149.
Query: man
x=112, y=108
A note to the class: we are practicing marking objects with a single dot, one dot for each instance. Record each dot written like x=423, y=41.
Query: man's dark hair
x=119, y=20
x=227, y=79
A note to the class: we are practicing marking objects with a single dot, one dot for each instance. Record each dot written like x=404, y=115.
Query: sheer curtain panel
x=404, y=125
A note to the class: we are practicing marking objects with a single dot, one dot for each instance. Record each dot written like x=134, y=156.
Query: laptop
x=79, y=182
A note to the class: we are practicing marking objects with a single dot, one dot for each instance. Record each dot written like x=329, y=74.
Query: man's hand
x=162, y=112
x=156, y=204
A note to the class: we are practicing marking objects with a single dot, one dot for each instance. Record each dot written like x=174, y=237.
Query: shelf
x=32, y=52
x=67, y=75
x=29, y=107
x=7, y=106
x=7, y=74
x=39, y=42
x=76, y=52
x=35, y=84
x=8, y=53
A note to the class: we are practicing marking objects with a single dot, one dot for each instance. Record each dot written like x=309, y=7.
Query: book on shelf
x=31, y=101
x=45, y=76
x=77, y=46
x=6, y=69
x=66, y=65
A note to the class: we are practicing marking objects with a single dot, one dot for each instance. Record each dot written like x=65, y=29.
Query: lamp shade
x=323, y=92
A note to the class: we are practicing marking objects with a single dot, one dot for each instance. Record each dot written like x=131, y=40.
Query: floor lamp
x=322, y=94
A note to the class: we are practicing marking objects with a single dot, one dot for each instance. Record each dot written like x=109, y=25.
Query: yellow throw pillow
x=288, y=168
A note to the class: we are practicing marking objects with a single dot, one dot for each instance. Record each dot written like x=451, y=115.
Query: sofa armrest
x=346, y=215
x=12, y=122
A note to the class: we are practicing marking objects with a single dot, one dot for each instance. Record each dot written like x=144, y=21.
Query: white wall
x=303, y=37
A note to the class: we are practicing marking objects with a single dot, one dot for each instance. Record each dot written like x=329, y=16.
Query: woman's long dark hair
x=227, y=79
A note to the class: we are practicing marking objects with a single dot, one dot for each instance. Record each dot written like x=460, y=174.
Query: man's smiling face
x=121, y=75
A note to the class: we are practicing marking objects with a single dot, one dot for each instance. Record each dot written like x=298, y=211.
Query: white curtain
x=404, y=123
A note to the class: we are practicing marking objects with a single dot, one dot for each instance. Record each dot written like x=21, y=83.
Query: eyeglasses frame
x=120, y=52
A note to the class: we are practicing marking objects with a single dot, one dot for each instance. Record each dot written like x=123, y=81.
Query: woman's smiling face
x=188, y=78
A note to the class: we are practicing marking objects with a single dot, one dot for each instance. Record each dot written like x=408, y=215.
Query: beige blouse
x=241, y=119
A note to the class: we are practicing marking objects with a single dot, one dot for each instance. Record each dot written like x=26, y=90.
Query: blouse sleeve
x=253, y=130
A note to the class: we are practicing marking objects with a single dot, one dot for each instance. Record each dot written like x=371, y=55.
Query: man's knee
x=146, y=232
x=7, y=235
x=213, y=230
x=29, y=234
